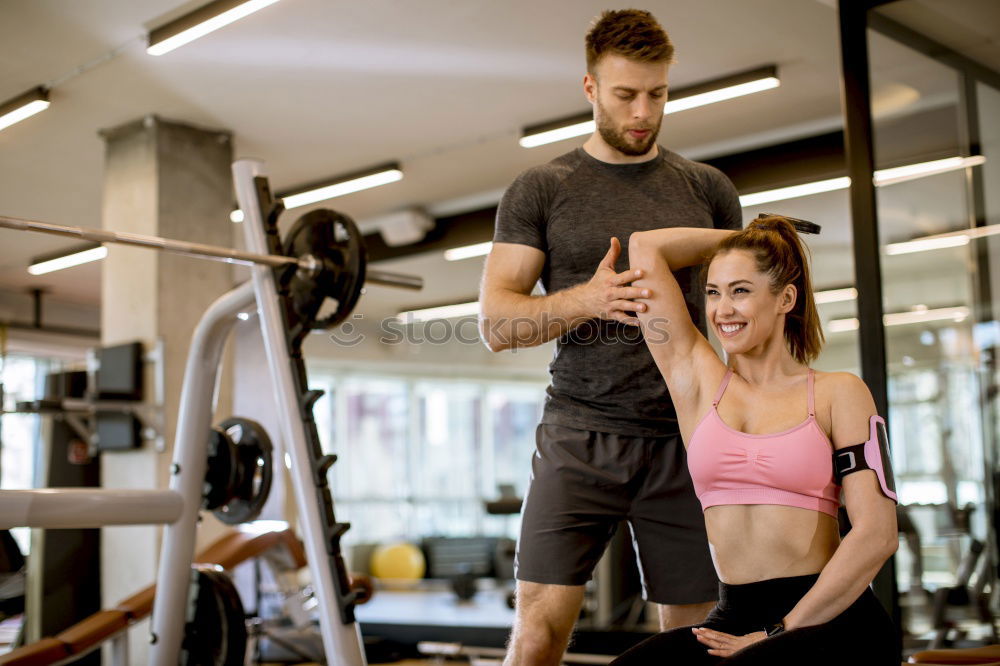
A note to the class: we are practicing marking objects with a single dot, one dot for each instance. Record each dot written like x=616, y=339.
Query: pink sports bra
x=791, y=468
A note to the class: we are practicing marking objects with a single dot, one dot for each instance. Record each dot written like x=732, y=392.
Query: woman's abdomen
x=754, y=542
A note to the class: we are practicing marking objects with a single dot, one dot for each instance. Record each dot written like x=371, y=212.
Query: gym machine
x=228, y=468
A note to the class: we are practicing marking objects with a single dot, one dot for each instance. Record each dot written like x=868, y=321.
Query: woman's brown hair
x=783, y=257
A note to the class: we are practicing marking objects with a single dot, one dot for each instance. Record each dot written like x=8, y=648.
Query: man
x=608, y=447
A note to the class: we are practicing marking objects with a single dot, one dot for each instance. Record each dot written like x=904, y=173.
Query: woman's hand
x=725, y=645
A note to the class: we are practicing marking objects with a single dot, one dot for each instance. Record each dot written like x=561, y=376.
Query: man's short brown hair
x=632, y=33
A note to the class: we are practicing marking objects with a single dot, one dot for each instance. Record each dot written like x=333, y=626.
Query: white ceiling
x=321, y=87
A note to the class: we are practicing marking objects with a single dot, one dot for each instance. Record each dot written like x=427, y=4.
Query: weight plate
x=215, y=633
x=254, y=470
x=336, y=243
x=220, y=473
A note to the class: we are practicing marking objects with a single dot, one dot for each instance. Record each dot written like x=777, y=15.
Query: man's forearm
x=509, y=320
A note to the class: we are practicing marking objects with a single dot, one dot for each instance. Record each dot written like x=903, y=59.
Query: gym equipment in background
x=12, y=574
x=214, y=605
x=398, y=561
x=243, y=451
x=64, y=569
x=104, y=408
x=287, y=291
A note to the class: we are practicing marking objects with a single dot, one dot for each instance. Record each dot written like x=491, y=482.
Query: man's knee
x=544, y=619
x=682, y=615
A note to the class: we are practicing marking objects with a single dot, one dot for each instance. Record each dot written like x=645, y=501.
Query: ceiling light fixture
x=75, y=257
x=881, y=178
x=336, y=187
x=912, y=171
x=795, y=191
x=835, y=295
x=440, y=312
x=919, y=316
x=719, y=90
x=468, y=251
x=689, y=97
x=843, y=325
x=23, y=106
x=924, y=244
x=924, y=315
x=941, y=241
x=200, y=22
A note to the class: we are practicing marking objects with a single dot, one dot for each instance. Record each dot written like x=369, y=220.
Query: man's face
x=628, y=98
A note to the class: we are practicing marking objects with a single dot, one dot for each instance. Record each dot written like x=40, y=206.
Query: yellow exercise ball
x=398, y=560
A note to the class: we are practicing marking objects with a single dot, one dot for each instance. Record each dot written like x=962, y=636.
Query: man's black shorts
x=584, y=483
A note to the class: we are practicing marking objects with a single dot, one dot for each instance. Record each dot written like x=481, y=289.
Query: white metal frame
x=177, y=508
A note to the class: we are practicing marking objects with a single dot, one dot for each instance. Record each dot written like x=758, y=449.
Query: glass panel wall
x=22, y=378
x=419, y=457
x=939, y=365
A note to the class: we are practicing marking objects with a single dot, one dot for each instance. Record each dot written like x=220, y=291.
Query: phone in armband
x=873, y=455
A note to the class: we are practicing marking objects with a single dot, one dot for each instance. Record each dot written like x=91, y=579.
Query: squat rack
x=177, y=507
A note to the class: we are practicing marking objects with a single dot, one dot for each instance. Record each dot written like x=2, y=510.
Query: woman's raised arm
x=684, y=357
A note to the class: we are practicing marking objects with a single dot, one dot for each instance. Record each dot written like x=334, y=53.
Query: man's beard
x=619, y=139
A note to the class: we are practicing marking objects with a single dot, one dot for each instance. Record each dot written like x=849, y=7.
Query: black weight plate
x=215, y=633
x=254, y=464
x=220, y=472
x=335, y=241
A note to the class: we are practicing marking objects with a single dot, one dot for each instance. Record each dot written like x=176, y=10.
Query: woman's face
x=740, y=306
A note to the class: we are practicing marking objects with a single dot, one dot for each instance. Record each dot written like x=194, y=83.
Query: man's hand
x=607, y=294
x=725, y=645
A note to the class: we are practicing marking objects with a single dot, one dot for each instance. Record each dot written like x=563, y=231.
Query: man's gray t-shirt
x=603, y=376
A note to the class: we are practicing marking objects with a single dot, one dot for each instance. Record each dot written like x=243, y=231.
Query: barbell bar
x=306, y=263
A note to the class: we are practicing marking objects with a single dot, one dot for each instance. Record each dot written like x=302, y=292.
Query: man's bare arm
x=510, y=317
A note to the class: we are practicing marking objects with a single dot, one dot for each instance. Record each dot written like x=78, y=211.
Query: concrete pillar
x=172, y=180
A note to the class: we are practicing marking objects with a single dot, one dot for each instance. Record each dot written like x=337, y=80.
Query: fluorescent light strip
x=835, y=295
x=558, y=134
x=913, y=171
x=468, y=251
x=159, y=46
x=68, y=261
x=336, y=189
x=720, y=95
x=795, y=191
x=843, y=325
x=940, y=241
x=881, y=178
x=924, y=244
x=24, y=106
x=682, y=103
x=342, y=188
x=924, y=315
x=441, y=312
x=920, y=316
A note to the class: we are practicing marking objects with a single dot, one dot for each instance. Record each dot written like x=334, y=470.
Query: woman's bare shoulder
x=841, y=385
x=848, y=406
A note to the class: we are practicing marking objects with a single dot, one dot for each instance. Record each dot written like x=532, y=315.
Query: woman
x=791, y=590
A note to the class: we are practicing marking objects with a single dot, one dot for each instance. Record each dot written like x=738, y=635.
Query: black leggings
x=863, y=635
